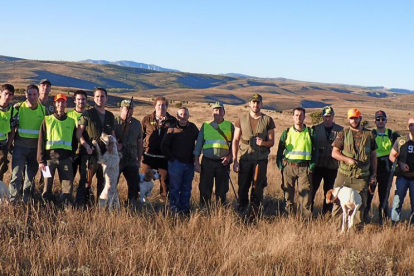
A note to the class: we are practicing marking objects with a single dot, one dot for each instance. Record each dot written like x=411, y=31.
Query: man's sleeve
x=41, y=144
x=315, y=151
x=271, y=124
x=339, y=141
x=165, y=145
x=84, y=118
x=280, y=150
x=396, y=146
x=200, y=142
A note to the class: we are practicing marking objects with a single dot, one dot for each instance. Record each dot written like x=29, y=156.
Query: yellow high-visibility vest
x=213, y=139
x=59, y=133
x=30, y=120
x=298, y=145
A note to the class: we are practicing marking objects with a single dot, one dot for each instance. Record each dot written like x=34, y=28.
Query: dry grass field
x=49, y=241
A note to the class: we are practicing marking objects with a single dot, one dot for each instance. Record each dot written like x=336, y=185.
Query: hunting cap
x=380, y=114
x=328, y=111
x=45, y=80
x=60, y=97
x=353, y=112
x=126, y=103
x=217, y=105
x=256, y=98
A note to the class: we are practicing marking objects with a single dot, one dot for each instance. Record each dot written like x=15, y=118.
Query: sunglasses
x=380, y=119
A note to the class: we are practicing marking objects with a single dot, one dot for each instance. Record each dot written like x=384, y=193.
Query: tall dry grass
x=38, y=240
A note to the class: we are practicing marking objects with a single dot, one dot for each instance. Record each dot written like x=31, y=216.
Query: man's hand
x=259, y=141
x=197, y=167
x=351, y=161
x=89, y=149
x=42, y=167
x=404, y=167
x=236, y=166
x=226, y=159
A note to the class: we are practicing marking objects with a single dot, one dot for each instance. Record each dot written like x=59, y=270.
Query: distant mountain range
x=133, y=64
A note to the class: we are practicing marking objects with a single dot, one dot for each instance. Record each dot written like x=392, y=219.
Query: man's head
x=126, y=112
x=60, y=101
x=32, y=94
x=256, y=103
x=183, y=115
x=161, y=106
x=80, y=97
x=410, y=125
x=380, y=119
x=328, y=115
x=6, y=94
x=299, y=116
x=44, y=88
x=218, y=111
x=100, y=96
x=354, y=118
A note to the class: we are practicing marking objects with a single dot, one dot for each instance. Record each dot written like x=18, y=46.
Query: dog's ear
x=329, y=197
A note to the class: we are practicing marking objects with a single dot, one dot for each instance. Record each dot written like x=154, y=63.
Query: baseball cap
x=126, y=103
x=353, y=112
x=380, y=114
x=45, y=80
x=217, y=105
x=328, y=111
x=256, y=98
x=60, y=96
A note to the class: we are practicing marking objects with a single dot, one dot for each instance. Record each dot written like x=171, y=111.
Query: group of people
x=41, y=135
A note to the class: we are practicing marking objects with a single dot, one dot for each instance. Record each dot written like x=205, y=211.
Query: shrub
x=316, y=117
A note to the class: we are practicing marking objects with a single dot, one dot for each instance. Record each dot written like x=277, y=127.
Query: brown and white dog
x=110, y=163
x=350, y=201
x=4, y=193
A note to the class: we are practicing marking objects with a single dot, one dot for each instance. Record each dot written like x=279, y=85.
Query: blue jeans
x=23, y=159
x=181, y=178
x=403, y=184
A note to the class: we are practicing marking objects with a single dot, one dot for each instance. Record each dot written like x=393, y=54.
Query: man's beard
x=356, y=126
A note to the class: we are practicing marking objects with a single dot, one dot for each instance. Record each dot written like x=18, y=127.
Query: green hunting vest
x=75, y=116
x=59, y=133
x=384, y=142
x=5, y=117
x=249, y=151
x=325, y=159
x=298, y=144
x=213, y=139
x=362, y=155
x=30, y=120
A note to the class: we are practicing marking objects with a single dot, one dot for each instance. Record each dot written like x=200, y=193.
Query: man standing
x=384, y=138
x=56, y=147
x=214, y=139
x=80, y=106
x=253, y=137
x=129, y=131
x=90, y=127
x=403, y=151
x=355, y=149
x=31, y=115
x=154, y=127
x=178, y=146
x=296, y=158
x=6, y=115
x=327, y=167
x=44, y=90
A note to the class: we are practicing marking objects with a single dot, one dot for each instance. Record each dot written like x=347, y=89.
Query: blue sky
x=367, y=43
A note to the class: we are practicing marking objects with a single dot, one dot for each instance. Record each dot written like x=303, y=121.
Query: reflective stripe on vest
x=213, y=139
x=59, y=133
x=30, y=120
x=298, y=145
x=5, y=123
x=384, y=144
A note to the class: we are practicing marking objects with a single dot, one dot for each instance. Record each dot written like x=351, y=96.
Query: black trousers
x=246, y=175
x=382, y=184
x=328, y=176
x=131, y=174
x=213, y=172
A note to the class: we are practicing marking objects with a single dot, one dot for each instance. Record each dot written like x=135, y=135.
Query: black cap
x=45, y=80
x=380, y=114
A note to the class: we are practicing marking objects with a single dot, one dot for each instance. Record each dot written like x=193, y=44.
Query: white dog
x=146, y=184
x=350, y=201
x=4, y=193
x=110, y=164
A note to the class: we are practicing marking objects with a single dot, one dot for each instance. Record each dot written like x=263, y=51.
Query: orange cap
x=60, y=96
x=353, y=112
